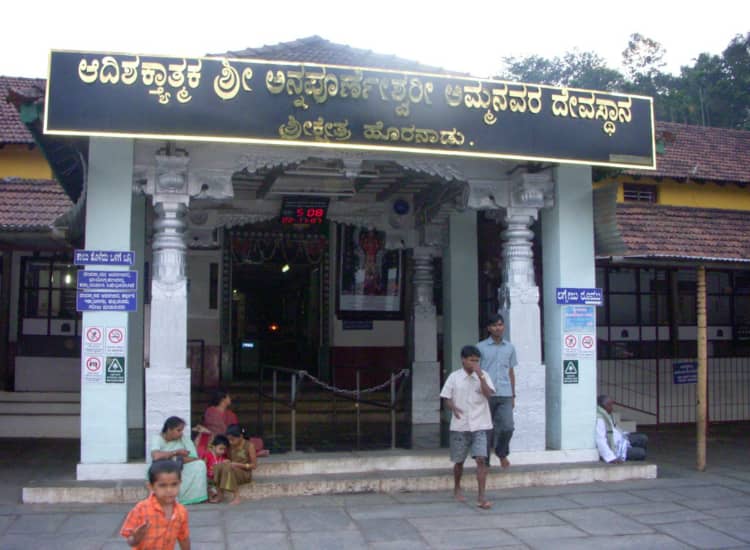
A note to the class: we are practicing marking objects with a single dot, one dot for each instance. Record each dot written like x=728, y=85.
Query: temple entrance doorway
x=278, y=297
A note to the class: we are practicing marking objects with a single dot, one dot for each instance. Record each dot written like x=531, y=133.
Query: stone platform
x=340, y=473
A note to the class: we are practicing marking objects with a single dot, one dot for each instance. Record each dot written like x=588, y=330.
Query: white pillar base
x=425, y=391
x=167, y=394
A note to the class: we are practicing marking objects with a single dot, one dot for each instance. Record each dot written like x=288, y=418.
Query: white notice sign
x=116, y=341
x=93, y=341
x=93, y=369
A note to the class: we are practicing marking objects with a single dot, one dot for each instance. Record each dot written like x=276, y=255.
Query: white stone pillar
x=519, y=305
x=167, y=375
x=425, y=381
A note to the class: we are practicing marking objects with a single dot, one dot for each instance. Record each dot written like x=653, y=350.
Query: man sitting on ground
x=616, y=446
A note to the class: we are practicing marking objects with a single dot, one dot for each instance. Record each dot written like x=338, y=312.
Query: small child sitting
x=215, y=454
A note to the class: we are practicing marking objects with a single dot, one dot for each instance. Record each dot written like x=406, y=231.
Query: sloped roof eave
x=660, y=232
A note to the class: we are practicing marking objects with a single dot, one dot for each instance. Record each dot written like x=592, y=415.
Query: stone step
x=39, y=397
x=39, y=407
x=299, y=463
x=387, y=481
x=54, y=426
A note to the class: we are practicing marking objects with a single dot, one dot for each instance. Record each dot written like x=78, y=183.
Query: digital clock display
x=303, y=210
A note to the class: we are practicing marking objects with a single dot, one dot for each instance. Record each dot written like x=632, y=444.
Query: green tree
x=643, y=58
x=574, y=69
x=714, y=91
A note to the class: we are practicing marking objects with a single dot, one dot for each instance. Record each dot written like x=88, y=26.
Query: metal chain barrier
x=334, y=389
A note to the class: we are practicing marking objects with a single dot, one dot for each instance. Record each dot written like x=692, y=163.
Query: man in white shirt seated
x=614, y=445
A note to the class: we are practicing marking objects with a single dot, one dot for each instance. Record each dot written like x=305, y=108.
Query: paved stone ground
x=682, y=509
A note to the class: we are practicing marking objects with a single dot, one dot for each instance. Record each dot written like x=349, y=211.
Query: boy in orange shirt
x=159, y=521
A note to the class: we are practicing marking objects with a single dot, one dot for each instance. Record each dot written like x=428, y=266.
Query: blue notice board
x=685, y=373
x=106, y=301
x=107, y=280
x=104, y=257
x=579, y=296
x=579, y=319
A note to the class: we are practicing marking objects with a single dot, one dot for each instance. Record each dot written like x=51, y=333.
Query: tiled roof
x=12, y=130
x=30, y=204
x=315, y=49
x=700, y=153
x=679, y=232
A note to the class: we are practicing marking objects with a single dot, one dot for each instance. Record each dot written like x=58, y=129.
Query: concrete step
x=39, y=397
x=39, y=407
x=299, y=463
x=53, y=426
x=40, y=414
x=385, y=481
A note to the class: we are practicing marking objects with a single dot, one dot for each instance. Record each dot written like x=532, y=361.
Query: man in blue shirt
x=499, y=361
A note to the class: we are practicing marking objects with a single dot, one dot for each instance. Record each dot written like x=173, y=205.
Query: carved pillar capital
x=169, y=243
x=171, y=179
x=423, y=281
x=532, y=191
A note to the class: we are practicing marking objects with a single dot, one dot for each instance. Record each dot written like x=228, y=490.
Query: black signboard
x=257, y=101
x=303, y=209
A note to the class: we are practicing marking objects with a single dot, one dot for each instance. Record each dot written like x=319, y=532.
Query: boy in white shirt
x=465, y=393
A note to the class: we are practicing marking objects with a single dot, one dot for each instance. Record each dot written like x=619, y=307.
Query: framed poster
x=370, y=278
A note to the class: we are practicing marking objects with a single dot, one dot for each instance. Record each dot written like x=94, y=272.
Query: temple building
x=315, y=207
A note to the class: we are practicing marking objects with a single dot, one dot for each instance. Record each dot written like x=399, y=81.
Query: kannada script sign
x=273, y=102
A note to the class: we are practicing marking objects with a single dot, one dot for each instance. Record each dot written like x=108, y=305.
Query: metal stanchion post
x=273, y=408
x=393, y=411
x=356, y=405
x=294, y=412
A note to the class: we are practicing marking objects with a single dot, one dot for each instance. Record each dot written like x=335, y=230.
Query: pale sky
x=467, y=36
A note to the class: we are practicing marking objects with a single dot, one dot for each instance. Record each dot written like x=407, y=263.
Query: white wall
x=203, y=322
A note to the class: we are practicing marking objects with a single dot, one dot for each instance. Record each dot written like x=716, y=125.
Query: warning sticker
x=115, y=342
x=570, y=371
x=93, y=340
x=115, y=370
x=93, y=369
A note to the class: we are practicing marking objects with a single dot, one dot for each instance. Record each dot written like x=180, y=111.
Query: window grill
x=639, y=193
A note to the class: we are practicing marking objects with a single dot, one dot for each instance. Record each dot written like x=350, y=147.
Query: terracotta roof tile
x=701, y=153
x=12, y=130
x=682, y=232
x=31, y=204
x=315, y=49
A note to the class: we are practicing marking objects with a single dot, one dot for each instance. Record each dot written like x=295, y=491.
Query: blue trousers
x=501, y=410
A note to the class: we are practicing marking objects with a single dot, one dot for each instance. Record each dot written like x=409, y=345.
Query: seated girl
x=215, y=454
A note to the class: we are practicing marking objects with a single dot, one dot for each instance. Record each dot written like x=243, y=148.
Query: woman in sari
x=228, y=476
x=174, y=444
x=216, y=419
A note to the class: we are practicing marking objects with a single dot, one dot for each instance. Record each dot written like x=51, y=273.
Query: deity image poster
x=369, y=275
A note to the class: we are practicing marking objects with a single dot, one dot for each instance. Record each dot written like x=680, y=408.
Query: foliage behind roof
x=315, y=49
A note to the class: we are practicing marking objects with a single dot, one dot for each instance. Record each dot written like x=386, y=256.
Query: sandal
x=484, y=505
